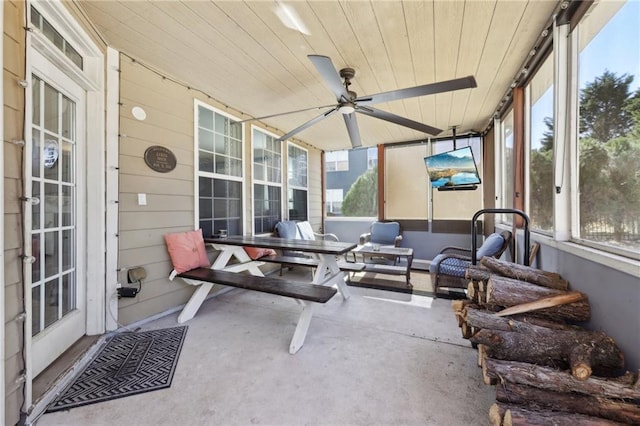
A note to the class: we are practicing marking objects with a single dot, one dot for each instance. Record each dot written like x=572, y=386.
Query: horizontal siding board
x=155, y=271
x=12, y=195
x=12, y=404
x=137, y=238
x=13, y=294
x=12, y=338
x=133, y=146
x=135, y=132
x=156, y=202
x=12, y=232
x=148, y=220
x=13, y=94
x=155, y=185
x=12, y=152
x=13, y=366
x=12, y=267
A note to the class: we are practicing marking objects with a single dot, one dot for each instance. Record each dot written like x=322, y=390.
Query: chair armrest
x=365, y=238
x=449, y=256
x=328, y=236
x=397, y=241
x=456, y=250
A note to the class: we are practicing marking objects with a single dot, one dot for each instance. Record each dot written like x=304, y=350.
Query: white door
x=56, y=216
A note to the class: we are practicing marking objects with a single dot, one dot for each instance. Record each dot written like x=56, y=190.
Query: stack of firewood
x=548, y=369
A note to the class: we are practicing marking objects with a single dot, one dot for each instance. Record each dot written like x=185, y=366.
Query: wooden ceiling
x=241, y=53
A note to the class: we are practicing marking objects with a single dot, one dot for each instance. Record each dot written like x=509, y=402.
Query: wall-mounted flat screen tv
x=455, y=168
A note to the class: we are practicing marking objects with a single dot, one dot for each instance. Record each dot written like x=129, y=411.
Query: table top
x=311, y=246
x=370, y=248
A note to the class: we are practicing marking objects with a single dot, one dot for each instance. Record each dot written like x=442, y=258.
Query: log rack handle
x=474, y=232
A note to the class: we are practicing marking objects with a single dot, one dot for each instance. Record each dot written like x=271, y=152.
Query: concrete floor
x=378, y=358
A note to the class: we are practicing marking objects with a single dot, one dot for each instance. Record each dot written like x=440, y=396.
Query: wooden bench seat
x=297, y=290
x=307, y=294
x=311, y=262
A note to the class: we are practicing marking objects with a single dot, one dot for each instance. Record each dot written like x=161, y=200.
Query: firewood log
x=480, y=318
x=507, y=292
x=476, y=273
x=496, y=413
x=545, y=302
x=555, y=348
x=516, y=416
x=532, y=397
x=623, y=387
x=525, y=273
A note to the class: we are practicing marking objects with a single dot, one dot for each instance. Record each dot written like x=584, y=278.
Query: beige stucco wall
x=169, y=107
x=14, y=70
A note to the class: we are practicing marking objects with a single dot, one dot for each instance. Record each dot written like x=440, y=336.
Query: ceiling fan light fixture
x=347, y=108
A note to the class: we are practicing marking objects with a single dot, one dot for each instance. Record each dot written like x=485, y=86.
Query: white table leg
x=301, y=328
x=192, y=306
x=329, y=266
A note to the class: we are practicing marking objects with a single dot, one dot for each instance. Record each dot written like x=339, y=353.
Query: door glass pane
x=68, y=119
x=35, y=153
x=51, y=205
x=66, y=164
x=51, y=253
x=67, y=249
x=35, y=210
x=51, y=302
x=50, y=109
x=68, y=294
x=50, y=157
x=36, y=250
x=35, y=307
x=67, y=213
x=35, y=96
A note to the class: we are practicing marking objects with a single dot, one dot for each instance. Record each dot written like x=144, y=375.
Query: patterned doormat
x=129, y=364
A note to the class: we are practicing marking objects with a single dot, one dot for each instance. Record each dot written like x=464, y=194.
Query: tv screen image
x=452, y=168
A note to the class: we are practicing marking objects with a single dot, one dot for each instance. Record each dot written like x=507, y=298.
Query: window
x=54, y=37
x=297, y=169
x=608, y=149
x=336, y=161
x=357, y=185
x=334, y=202
x=508, y=167
x=372, y=158
x=267, y=182
x=540, y=127
x=219, y=172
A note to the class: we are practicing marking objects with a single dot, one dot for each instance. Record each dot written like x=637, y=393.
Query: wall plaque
x=160, y=159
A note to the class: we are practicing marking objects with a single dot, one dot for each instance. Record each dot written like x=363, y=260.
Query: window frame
x=267, y=183
x=290, y=186
x=196, y=165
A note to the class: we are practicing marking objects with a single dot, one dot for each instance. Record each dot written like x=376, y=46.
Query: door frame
x=91, y=79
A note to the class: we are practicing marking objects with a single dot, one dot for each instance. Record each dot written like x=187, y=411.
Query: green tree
x=603, y=107
x=362, y=198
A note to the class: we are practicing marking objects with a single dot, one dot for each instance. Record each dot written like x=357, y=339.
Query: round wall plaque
x=160, y=159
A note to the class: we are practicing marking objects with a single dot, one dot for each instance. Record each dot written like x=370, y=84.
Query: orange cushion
x=187, y=250
x=257, y=252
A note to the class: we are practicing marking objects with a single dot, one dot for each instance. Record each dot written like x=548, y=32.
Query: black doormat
x=129, y=364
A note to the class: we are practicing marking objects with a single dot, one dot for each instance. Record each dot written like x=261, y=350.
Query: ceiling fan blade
x=331, y=77
x=352, y=128
x=307, y=124
x=285, y=113
x=426, y=89
x=396, y=119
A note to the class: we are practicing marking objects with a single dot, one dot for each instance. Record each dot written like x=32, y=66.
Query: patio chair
x=299, y=230
x=384, y=234
x=448, y=267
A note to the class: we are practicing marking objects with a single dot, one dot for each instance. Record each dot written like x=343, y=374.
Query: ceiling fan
x=348, y=102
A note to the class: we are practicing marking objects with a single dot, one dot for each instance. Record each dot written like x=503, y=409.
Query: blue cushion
x=288, y=230
x=384, y=232
x=491, y=246
x=449, y=266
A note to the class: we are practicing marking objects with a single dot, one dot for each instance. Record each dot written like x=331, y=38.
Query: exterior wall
x=170, y=196
x=14, y=70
